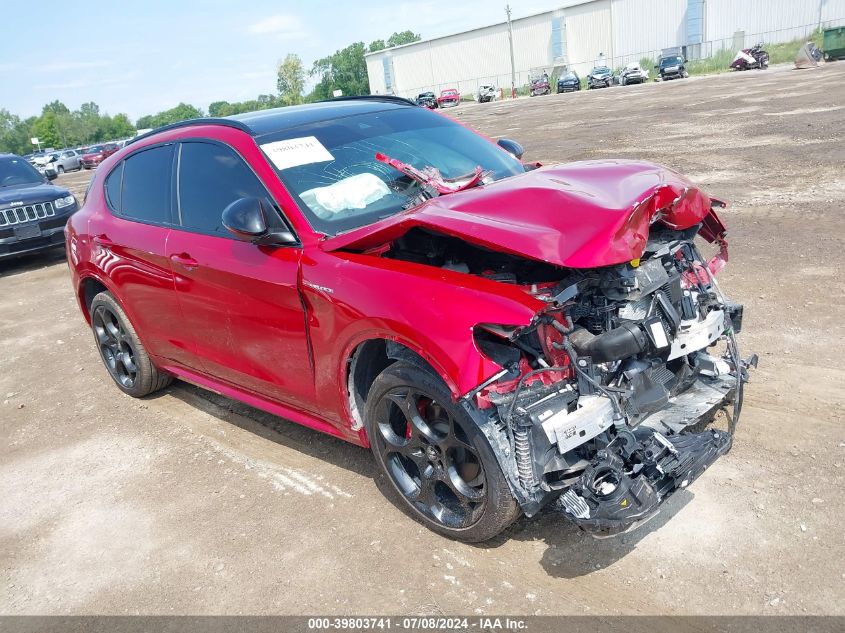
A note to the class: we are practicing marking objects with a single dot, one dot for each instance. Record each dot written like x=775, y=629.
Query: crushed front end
x=603, y=399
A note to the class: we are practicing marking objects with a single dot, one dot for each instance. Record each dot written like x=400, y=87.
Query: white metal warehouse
x=584, y=32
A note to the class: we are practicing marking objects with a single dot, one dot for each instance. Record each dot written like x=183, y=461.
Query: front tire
x=435, y=456
x=121, y=350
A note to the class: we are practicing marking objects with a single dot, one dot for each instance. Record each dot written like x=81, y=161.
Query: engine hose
x=618, y=416
x=565, y=330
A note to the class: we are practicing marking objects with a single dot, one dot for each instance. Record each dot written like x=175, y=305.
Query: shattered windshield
x=332, y=169
x=671, y=61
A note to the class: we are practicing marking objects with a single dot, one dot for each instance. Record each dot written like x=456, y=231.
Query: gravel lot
x=191, y=503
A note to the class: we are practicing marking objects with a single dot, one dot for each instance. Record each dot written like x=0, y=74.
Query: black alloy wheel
x=429, y=458
x=116, y=347
x=435, y=456
x=121, y=349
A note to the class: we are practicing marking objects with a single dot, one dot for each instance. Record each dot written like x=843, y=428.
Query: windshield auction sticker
x=296, y=151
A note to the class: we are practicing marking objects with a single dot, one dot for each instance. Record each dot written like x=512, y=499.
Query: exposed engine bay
x=602, y=400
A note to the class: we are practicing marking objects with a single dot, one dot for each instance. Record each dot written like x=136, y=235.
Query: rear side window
x=211, y=177
x=145, y=194
x=112, y=188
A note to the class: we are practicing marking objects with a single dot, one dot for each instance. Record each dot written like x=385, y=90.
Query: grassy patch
x=786, y=52
x=780, y=53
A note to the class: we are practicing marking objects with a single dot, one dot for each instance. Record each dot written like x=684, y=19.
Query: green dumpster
x=833, y=44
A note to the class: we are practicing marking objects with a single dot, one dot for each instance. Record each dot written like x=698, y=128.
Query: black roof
x=261, y=122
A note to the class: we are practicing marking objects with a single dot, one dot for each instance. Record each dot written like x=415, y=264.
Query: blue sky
x=140, y=57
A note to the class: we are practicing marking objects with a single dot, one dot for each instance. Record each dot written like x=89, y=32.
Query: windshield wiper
x=433, y=183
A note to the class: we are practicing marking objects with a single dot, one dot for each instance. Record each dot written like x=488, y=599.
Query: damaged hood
x=578, y=215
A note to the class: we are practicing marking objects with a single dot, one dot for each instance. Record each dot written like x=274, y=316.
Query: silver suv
x=66, y=160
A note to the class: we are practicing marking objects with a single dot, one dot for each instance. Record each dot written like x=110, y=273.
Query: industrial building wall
x=588, y=35
x=643, y=26
x=777, y=20
x=465, y=60
x=620, y=31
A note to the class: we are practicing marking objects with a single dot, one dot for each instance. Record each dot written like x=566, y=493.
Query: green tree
x=14, y=133
x=46, y=129
x=57, y=107
x=290, y=79
x=344, y=70
x=376, y=45
x=219, y=108
x=405, y=37
x=181, y=112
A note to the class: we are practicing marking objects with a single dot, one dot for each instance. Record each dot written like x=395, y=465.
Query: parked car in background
x=33, y=212
x=449, y=97
x=755, y=57
x=48, y=170
x=633, y=73
x=66, y=160
x=96, y=154
x=39, y=158
x=426, y=100
x=569, y=82
x=486, y=93
x=502, y=336
x=672, y=67
x=600, y=77
x=540, y=86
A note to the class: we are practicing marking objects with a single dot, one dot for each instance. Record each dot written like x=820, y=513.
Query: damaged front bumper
x=627, y=481
x=630, y=470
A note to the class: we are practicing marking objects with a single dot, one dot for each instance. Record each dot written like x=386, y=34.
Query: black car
x=426, y=100
x=672, y=67
x=569, y=82
x=33, y=212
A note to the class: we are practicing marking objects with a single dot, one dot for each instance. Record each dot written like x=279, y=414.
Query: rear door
x=241, y=302
x=131, y=248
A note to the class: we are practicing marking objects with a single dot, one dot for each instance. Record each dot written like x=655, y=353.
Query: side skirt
x=254, y=400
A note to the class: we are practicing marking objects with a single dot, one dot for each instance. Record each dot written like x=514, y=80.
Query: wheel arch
x=367, y=358
x=88, y=288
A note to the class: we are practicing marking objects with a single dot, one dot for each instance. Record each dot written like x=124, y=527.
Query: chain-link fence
x=706, y=56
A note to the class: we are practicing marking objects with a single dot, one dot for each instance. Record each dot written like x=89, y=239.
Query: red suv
x=96, y=154
x=501, y=334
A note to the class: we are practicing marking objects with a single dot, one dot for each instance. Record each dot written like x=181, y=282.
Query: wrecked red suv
x=501, y=335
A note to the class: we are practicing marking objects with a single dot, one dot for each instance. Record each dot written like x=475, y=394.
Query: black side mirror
x=511, y=147
x=246, y=220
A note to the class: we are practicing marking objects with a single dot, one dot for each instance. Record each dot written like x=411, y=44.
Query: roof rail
x=385, y=98
x=191, y=122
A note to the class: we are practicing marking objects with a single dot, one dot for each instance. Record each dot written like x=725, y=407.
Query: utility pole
x=510, y=41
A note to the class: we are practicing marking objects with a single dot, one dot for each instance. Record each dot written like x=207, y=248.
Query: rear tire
x=436, y=458
x=121, y=350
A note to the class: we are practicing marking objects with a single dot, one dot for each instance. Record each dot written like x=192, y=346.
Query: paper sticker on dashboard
x=296, y=151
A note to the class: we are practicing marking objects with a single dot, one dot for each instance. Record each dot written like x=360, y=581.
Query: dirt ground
x=191, y=503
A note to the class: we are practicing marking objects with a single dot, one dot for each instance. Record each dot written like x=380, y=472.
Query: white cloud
x=283, y=26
